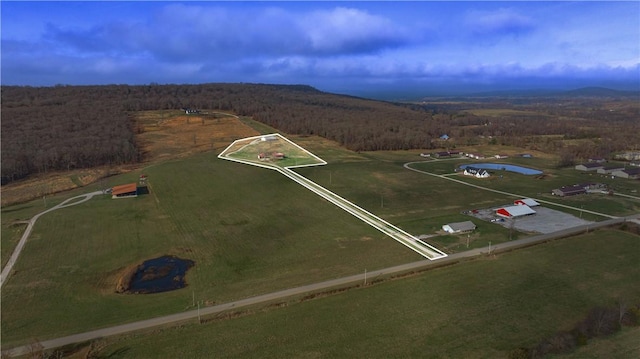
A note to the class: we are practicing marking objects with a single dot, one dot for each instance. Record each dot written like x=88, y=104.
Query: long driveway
x=23, y=240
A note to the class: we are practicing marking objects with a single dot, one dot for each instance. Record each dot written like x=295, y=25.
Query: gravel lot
x=546, y=220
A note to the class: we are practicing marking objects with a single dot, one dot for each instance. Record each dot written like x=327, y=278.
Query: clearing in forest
x=269, y=151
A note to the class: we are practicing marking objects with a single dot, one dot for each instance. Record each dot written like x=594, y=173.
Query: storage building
x=515, y=211
x=125, y=191
x=459, y=227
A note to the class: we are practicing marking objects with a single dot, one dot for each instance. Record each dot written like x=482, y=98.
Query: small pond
x=504, y=167
x=160, y=275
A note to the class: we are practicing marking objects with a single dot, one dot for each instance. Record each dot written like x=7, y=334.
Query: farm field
x=477, y=309
x=250, y=231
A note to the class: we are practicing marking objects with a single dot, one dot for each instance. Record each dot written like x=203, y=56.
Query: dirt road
x=6, y=271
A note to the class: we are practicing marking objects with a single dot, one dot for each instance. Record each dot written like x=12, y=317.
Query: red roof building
x=125, y=190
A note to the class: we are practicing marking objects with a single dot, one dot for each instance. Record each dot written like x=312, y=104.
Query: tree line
x=65, y=127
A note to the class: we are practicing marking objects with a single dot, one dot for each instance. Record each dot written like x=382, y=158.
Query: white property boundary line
x=369, y=218
x=223, y=156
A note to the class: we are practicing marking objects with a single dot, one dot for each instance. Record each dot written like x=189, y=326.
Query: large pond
x=160, y=275
x=504, y=167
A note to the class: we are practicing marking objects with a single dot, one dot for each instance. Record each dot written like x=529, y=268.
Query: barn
x=526, y=201
x=125, y=191
x=515, y=211
x=459, y=227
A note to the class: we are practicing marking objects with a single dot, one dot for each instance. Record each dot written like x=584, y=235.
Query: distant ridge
x=579, y=92
x=599, y=92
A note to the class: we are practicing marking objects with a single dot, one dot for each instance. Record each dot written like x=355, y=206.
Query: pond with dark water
x=160, y=275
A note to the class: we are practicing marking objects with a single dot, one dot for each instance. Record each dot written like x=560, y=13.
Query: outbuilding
x=526, y=202
x=515, y=211
x=630, y=173
x=125, y=191
x=610, y=169
x=591, y=166
x=569, y=191
x=459, y=227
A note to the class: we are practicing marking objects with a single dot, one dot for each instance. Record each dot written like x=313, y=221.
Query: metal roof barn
x=515, y=211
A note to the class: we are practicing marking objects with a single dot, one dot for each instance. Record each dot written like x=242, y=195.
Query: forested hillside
x=65, y=127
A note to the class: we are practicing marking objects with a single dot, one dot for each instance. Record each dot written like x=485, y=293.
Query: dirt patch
x=124, y=279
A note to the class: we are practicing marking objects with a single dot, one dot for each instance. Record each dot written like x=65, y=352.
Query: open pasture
x=477, y=309
x=249, y=231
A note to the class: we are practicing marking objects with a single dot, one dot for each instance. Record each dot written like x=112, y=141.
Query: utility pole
x=199, y=320
x=467, y=240
x=193, y=292
x=365, y=276
x=489, y=247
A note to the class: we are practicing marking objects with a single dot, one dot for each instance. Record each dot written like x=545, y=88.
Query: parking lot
x=546, y=220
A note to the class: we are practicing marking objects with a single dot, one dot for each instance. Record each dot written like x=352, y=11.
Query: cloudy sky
x=345, y=47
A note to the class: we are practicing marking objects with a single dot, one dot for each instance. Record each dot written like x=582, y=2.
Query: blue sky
x=345, y=47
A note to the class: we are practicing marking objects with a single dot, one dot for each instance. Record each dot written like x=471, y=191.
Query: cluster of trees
x=599, y=322
x=64, y=127
x=44, y=133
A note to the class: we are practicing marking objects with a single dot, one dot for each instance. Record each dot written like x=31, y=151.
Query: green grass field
x=478, y=309
x=262, y=152
x=250, y=231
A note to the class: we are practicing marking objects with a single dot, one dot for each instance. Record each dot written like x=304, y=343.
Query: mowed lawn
x=250, y=231
x=478, y=309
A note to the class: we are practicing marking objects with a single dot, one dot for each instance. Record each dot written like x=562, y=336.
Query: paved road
x=264, y=299
x=6, y=271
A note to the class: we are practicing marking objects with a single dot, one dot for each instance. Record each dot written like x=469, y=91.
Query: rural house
x=476, y=172
x=569, y=191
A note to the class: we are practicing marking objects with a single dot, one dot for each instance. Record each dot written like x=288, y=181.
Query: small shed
x=459, y=227
x=125, y=191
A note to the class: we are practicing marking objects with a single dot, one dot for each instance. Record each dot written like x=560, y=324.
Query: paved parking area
x=546, y=220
